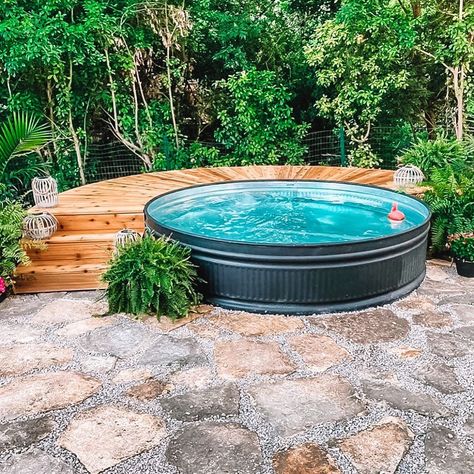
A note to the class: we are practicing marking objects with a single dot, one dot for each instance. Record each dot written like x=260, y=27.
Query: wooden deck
x=90, y=215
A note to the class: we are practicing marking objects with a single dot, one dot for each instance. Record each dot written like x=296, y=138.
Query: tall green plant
x=429, y=155
x=12, y=252
x=152, y=276
x=20, y=134
x=256, y=125
x=451, y=199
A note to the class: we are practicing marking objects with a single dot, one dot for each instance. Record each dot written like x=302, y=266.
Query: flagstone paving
x=388, y=389
x=380, y=448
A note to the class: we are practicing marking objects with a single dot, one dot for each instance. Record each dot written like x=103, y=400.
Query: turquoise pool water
x=286, y=212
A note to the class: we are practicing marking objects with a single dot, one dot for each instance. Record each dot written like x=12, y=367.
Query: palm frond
x=22, y=133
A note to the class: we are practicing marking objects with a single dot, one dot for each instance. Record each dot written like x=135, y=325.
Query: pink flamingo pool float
x=395, y=214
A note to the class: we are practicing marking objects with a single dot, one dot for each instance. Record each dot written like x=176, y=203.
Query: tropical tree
x=404, y=59
x=447, y=40
x=20, y=134
x=256, y=126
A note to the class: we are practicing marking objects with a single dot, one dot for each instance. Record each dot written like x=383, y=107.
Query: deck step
x=69, y=252
x=75, y=246
x=100, y=222
x=76, y=255
x=38, y=277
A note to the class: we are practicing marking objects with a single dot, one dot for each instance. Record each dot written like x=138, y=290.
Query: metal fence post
x=342, y=146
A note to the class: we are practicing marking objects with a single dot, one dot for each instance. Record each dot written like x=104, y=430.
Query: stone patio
x=378, y=391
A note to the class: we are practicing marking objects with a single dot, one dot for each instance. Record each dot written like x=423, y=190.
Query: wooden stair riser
x=51, y=277
x=48, y=282
x=104, y=222
x=79, y=252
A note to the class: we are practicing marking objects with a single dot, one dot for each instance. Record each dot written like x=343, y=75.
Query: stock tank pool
x=296, y=247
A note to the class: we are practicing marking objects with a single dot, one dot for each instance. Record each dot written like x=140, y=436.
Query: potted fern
x=151, y=276
x=462, y=249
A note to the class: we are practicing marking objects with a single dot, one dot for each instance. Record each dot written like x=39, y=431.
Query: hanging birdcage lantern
x=408, y=175
x=39, y=225
x=125, y=236
x=45, y=191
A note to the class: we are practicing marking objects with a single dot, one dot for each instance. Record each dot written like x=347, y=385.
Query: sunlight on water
x=282, y=215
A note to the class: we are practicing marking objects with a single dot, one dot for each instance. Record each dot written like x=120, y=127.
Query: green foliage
x=399, y=59
x=256, y=123
x=20, y=134
x=361, y=61
x=159, y=77
x=12, y=252
x=197, y=154
x=450, y=197
x=462, y=247
x=190, y=155
x=362, y=156
x=152, y=276
x=432, y=154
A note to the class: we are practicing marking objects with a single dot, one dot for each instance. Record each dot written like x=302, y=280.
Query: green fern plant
x=152, y=276
x=12, y=252
x=20, y=134
x=451, y=199
x=430, y=155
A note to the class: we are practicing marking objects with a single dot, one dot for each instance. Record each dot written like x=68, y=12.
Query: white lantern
x=39, y=225
x=125, y=236
x=45, y=191
x=408, y=175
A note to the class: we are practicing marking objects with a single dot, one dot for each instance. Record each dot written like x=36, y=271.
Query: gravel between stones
x=371, y=360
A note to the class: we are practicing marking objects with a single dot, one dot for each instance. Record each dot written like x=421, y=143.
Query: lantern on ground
x=407, y=176
x=45, y=191
x=39, y=225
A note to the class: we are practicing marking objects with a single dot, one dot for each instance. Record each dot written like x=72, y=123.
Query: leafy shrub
x=152, y=276
x=462, y=246
x=451, y=198
x=192, y=155
x=12, y=252
x=362, y=156
x=431, y=154
x=64, y=168
x=201, y=155
x=256, y=123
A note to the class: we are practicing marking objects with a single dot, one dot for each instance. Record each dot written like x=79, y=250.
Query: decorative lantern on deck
x=124, y=236
x=407, y=176
x=45, y=191
x=39, y=225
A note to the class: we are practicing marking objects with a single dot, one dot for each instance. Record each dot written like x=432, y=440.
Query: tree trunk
x=77, y=148
x=458, y=83
x=72, y=130
x=49, y=95
x=416, y=8
x=112, y=89
x=168, y=73
x=430, y=122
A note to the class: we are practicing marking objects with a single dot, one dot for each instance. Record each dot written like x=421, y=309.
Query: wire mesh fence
x=324, y=148
x=111, y=160
x=327, y=147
